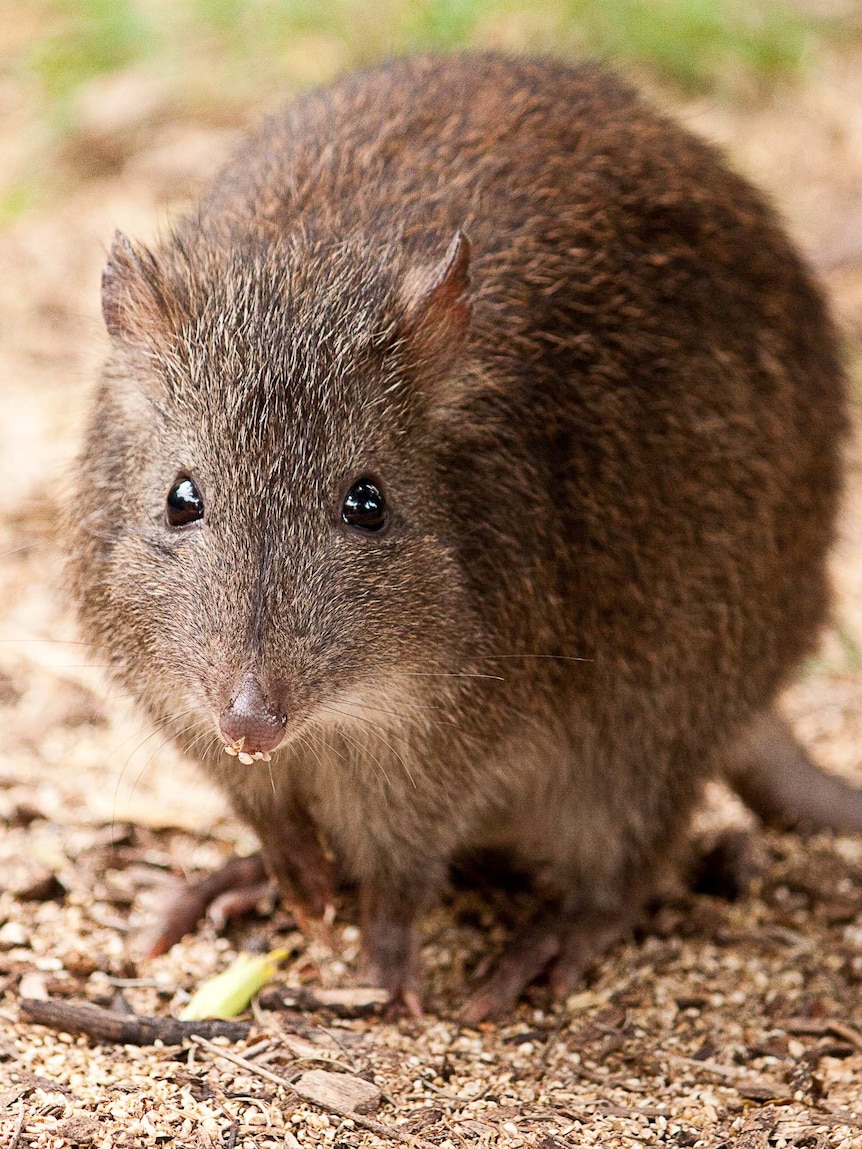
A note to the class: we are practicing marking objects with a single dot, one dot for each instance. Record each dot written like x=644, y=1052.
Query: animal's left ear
x=436, y=302
x=134, y=294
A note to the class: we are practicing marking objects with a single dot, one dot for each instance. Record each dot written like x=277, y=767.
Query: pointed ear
x=132, y=304
x=436, y=301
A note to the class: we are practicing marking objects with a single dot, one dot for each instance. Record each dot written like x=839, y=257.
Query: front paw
x=401, y=984
x=390, y=950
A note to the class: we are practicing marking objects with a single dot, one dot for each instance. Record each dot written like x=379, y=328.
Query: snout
x=252, y=724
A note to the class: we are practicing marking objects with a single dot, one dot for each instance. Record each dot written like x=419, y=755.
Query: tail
x=774, y=776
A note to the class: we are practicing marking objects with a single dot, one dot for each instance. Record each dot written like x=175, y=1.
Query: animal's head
x=262, y=526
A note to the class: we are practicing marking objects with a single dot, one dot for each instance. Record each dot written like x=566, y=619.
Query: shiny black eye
x=364, y=506
x=184, y=504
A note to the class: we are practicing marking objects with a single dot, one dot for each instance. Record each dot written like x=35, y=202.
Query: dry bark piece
x=106, y=1025
x=80, y=1129
x=347, y=1002
x=756, y=1132
x=338, y=1092
x=350, y=997
x=762, y=1091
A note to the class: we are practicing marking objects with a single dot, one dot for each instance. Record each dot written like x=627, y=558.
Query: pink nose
x=251, y=721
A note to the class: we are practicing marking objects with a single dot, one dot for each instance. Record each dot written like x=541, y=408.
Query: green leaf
x=230, y=992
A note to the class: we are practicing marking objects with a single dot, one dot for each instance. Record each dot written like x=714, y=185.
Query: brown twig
x=816, y=1027
x=836, y=1115
x=19, y=1125
x=106, y=1025
x=742, y=1080
x=243, y=1062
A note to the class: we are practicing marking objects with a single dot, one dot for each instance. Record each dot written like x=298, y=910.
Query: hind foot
x=561, y=944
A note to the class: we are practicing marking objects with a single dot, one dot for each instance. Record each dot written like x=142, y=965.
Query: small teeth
x=245, y=757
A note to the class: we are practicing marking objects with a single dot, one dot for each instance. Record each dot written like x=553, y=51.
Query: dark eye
x=184, y=504
x=364, y=506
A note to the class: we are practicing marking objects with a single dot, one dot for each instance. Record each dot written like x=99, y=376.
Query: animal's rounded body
x=597, y=402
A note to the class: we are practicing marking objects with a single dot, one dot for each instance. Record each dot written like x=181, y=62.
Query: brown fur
x=609, y=439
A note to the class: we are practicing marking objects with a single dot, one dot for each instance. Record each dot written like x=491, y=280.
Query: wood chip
x=352, y=997
x=33, y=986
x=339, y=1092
x=349, y=1002
x=755, y=1133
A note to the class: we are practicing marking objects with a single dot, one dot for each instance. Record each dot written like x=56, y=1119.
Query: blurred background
x=85, y=85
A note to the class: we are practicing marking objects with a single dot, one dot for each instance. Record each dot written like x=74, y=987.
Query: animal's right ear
x=132, y=302
x=436, y=301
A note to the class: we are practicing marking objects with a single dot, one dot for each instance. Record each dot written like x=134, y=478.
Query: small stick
x=243, y=1062
x=847, y=1032
x=258, y=1048
x=817, y=1026
x=739, y=1077
x=107, y=1025
x=387, y=1131
x=19, y=1125
x=446, y=1093
x=837, y=1115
